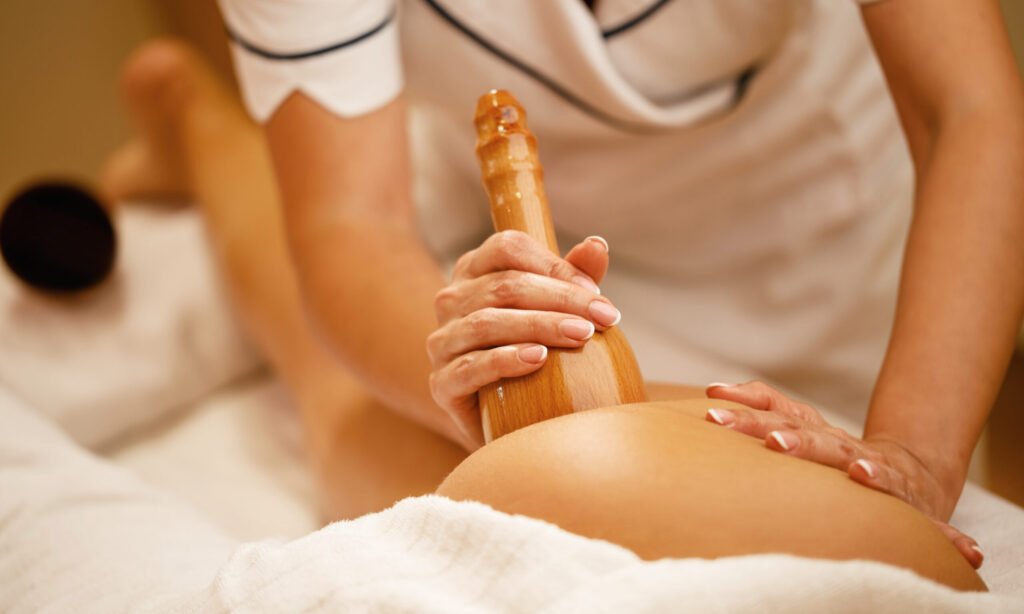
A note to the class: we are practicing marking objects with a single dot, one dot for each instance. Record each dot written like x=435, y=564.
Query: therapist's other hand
x=509, y=300
x=797, y=429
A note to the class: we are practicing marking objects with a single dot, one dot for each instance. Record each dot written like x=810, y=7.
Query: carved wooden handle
x=603, y=372
x=511, y=169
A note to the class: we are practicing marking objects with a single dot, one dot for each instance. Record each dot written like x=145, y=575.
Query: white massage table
x=223, y=439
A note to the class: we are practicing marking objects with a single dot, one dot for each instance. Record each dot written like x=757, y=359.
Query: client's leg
x=195, y=140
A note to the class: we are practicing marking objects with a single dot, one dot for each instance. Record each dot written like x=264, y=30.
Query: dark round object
x=57, y=237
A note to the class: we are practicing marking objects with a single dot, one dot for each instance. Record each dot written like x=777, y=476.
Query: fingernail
x=866, y=466
x=977, y=549
x=718, y=385
x=721, y=416
x=533, y=354
x=600, y=240
x=786, y=443
x=604, y=314
x=580, y=330
x=583, y=282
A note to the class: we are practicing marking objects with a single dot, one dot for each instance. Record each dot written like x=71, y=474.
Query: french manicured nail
x=977, y=549
x=604, y=314
x=866, y=466
x=721, y=416
x=718, y=385
x=533, y=354
x=580, y=330
x=584, y=282
x=600, y=240
x=786, y=441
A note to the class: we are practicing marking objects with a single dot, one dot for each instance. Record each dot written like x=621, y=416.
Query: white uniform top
x=742, y=158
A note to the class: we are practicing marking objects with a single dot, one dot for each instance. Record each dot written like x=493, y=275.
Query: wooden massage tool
x=604, y=371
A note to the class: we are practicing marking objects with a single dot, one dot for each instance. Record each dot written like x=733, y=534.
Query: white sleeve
x=342, y=53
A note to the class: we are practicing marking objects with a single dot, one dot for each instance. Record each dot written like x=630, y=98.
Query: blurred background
x=60, y=116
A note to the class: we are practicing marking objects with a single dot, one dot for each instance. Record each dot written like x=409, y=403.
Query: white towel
x=157, y=335
x=77, y=534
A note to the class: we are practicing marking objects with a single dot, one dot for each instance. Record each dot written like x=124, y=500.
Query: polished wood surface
x=603, y=372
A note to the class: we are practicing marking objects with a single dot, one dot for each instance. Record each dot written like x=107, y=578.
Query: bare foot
x=157, y=81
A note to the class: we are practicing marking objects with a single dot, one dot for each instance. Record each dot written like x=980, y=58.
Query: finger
x=518, y=290
x=590, y=256
x=967, y=546
x=758, y=395
x=467, y=374
x=754, y=423
x=518, y=251
x=880, y=476
x=492, y=327
x=831, y=447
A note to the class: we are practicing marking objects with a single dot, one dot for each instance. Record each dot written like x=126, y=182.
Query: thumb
x=590, y=256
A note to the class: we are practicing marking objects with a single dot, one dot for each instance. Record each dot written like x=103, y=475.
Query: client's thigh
x=658, y=479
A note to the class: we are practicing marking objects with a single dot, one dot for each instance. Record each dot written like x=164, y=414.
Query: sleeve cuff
x=349, y=77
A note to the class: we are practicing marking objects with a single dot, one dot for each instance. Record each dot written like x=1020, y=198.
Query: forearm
x=367, y=280
x=951, y=72
x=961, y=296
x=369, y=288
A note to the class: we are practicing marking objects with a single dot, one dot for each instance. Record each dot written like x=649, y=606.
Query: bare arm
x=372, y=288
x=952, y=75
x=962, y=293
x=368, y=280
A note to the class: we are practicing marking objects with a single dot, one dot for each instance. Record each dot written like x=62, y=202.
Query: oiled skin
x=661, y=481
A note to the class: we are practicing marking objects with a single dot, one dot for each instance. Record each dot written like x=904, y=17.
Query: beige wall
x=59, y=112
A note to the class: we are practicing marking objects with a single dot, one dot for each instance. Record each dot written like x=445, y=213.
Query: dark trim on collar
x=557, y=89
x=635, y=21
x=301, y=55
x=552, y=85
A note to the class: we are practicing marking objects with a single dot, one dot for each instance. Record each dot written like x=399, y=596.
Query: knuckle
x=463, y=368
x=506, y=289
x=509, y=241
x=836, y=432
x=432, y=343
x=566, y=298
x=462, y=264
x=799, y=412
x=558, y=269
x=846, y=449
x=480, y=322
x=436, y=388
x=444, y=300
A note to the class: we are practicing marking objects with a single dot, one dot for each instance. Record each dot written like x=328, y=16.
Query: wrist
x=946, y=470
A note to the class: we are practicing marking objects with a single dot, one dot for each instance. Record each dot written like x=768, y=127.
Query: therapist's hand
x=509, y=300
x=799, y=430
